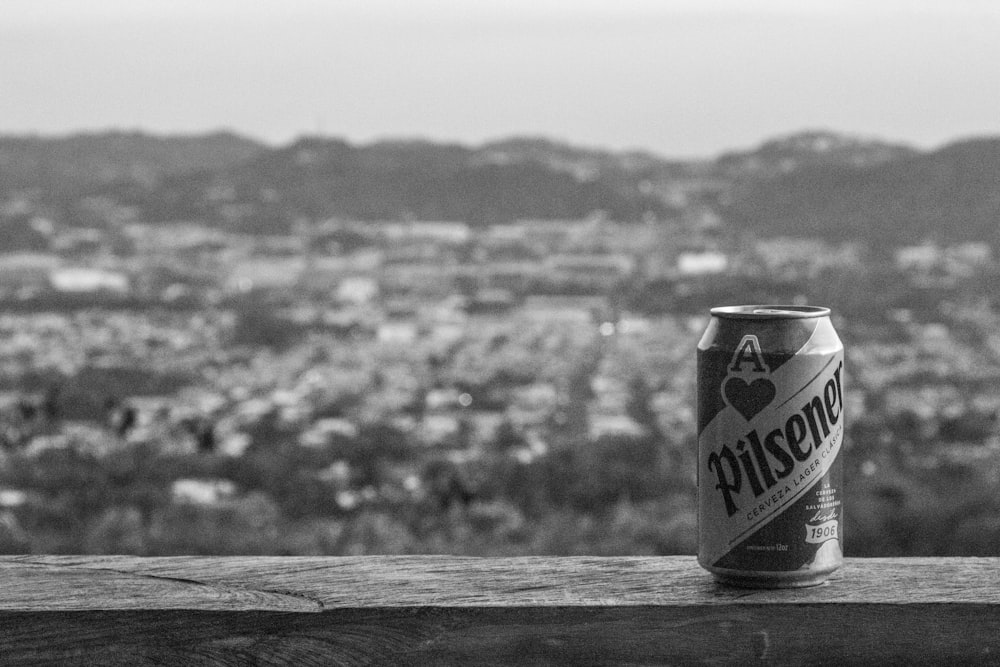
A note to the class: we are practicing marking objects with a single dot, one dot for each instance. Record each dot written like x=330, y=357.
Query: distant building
x=79, y=241
x=532, y=404
x=12, y=498
x=29, y=271
x=455, y=233
x=702, y=263
x=485, y=424
x=491, y=302
x=323, y=430
x=443, y=398
x=504, y=234
x=397, y=332
x=447, y=333
x=542, y=236
x=357, y=290
x=795, y=258
x=611, y=394
x=438, y=429
x=448, y=233
x=265, y=273
x=921, y=257
x=202, y=491
x=960, y=260
x=326, y=273
x=633, y=324
x=972, y=253
x=602, y=424
x=567, y=309
x=590, y=267
x=76, y=279
x=177, y=237
x=509, y=275
x=964, y=259
x=421, y=277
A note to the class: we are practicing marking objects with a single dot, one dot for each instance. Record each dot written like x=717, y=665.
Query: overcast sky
x=682, y=78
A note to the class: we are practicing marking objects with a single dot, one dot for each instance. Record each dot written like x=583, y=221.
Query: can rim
x=770, y=312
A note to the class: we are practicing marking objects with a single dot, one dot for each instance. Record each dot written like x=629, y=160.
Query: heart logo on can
x=749, y=398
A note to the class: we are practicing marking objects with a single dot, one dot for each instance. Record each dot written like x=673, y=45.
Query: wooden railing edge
x=449, y=610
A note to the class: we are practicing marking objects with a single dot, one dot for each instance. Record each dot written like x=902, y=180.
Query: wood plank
x=311, y=584
x=443, y=610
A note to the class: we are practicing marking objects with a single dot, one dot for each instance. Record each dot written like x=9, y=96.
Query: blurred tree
x=639, y=406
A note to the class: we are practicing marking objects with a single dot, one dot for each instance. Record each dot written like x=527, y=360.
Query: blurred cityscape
x=228, y=357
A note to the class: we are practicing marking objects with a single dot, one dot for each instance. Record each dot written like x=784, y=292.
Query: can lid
x=768, y=312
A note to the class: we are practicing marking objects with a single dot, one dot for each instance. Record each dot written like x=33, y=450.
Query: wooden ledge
x=443, y=610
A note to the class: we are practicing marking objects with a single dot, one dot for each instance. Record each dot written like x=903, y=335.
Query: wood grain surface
x=119, y=610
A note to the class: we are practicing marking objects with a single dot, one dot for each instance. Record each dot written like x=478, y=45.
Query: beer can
x=770, y=429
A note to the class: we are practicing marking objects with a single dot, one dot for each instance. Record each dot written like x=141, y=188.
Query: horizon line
x=417, y=138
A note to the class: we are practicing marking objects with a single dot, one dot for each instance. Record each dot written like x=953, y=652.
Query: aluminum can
x=770, y=429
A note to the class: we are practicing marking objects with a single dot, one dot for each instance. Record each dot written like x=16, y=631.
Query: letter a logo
x=748, y=352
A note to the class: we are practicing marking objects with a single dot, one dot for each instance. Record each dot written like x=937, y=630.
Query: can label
x=771, y=425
